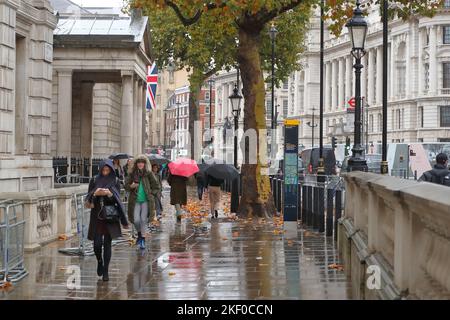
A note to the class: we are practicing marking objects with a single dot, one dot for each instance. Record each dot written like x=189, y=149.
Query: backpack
x=431, y=177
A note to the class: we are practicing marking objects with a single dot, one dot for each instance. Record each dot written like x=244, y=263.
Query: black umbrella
x=222, y=171
x=212, y=161
x=203, y=167
x=158, y=159
x=119, y=156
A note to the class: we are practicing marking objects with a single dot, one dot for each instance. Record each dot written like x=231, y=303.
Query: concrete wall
x=107, y=105
x=402, y=229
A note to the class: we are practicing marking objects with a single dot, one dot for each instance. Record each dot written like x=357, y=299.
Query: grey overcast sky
x=99, y=3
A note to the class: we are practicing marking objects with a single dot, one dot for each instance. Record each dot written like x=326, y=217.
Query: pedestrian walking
x=158, y=196
x=178, y=193
x=107, y=213
x=214, y=194
x=143, y=187
x=440, y=174
x=200, y=177
x=119, y=170
x=127, y=166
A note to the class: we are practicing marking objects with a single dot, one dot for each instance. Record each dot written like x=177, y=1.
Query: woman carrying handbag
x=107, y=213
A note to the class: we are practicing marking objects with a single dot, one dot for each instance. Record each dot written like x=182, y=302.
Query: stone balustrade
x=400, y=226
x=48, y=213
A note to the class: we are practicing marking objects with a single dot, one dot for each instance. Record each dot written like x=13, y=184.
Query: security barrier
x=12, y=235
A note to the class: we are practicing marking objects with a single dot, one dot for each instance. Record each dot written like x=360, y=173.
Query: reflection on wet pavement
x=233, y=260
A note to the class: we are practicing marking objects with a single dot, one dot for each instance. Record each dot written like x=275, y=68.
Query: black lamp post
x=313, y=126
x=357, y=27
x=178, y=103
x=384, y=163
x=321, y=168
x=273, y=34
x=235, y=99
x=210, y=82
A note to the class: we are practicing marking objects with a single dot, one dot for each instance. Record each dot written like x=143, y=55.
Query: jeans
x=141, y=216
x=105, y=242
x=200, y=188
x=178, y=209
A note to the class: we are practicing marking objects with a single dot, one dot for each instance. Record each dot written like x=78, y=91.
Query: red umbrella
x=183, y=167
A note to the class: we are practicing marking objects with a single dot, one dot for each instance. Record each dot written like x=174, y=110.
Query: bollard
x=310, y=202
x=321, y=203
x=299, y=202
x=315, y=211
x=338, y=211
x=304, y=205
x=280, y=194
x=330, y=209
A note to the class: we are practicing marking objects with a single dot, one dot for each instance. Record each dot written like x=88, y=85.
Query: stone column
x=433, y=61
x=348, y=79
x=391, y=66
x=364, y=77
x=379, y=81
x=126, y=121
x=63, y=147
x=135, y=115
x=341, y=101
x=333, y=84
x=408, y=66
x=420, y=66
x=371, y=75
x=86, y=125
x=145, y=116
x=139, y=119
x=327, y=86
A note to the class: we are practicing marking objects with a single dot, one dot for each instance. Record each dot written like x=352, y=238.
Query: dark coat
x=440, y=174
x=113, y=228
x=178, y=193
x=151, y=188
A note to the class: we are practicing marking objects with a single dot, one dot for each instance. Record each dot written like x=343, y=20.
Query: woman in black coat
x=104, y=190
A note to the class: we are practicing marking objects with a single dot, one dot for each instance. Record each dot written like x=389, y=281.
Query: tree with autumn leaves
x=211, y=35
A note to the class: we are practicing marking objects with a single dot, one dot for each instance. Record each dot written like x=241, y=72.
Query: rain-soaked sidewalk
x=195, y=259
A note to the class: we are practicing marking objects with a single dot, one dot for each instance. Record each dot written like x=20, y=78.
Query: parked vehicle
x=310, y=158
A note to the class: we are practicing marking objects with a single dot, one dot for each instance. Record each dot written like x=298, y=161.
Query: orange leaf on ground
x=6, y=285
x=235, y=234
x=62, y=237
x=171, y=273
x=335, y=266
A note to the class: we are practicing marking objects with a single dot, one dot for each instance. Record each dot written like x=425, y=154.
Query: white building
x=418, y=80
x=177, y=122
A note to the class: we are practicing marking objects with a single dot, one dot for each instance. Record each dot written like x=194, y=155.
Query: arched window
x=401, y=69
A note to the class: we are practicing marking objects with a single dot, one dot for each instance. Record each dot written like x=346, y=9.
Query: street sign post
x=290, y=170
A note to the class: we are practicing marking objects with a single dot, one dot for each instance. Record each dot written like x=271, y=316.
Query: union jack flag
x=152, y=82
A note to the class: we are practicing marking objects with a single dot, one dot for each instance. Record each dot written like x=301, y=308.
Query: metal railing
x=12, y=236
x=320, y=201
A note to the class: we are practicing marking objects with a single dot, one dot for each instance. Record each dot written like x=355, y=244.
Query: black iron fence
x=80, y=169
x=320, y=201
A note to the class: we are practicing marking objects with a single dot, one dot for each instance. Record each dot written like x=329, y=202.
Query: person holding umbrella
x=143, y=188
x=214, y=194
x=107, y=214
x=179, y=171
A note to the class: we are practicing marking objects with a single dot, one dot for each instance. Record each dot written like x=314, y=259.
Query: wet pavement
x=195, y=259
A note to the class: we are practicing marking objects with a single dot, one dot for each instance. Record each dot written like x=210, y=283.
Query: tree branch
x=269, y=15
x=190, y=21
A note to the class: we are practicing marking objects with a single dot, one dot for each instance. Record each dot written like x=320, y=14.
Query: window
x=207, y=95
x=328, y=126
x=285, y=107
x=206, y=123
x=207, y=110
x=371, y=123
x=445, y=116
x=379, y=122
x=399, y=119
x=447, y=4
x=286, y=85
x=446, y=34
x=446, y=74
x=420, y=117
x=427, y=77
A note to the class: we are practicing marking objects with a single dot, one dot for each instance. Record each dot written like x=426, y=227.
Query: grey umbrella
x=158, y=159
x=119, y=156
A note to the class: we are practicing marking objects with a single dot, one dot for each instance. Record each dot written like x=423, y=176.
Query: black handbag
x=110, y=213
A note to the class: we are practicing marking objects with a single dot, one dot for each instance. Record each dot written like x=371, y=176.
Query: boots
x=216, y=213
x=99, y=267
x=105, y=274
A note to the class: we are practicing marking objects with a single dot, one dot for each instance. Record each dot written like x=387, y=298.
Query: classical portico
x=99, y=85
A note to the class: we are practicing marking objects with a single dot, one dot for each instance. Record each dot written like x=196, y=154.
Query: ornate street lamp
x=357, y=27
x=235, y=99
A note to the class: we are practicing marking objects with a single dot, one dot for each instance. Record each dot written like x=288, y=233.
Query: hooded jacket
x=439, y=174
x=151, y=186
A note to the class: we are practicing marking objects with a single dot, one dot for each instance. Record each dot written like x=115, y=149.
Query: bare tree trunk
x=257, y=200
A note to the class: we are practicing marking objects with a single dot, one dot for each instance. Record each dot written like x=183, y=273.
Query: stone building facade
x=99, y=83
x=26, y=56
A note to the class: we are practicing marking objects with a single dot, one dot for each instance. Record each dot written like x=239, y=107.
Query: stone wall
x=400, y=228
x=107, y=107
x=26, y=56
